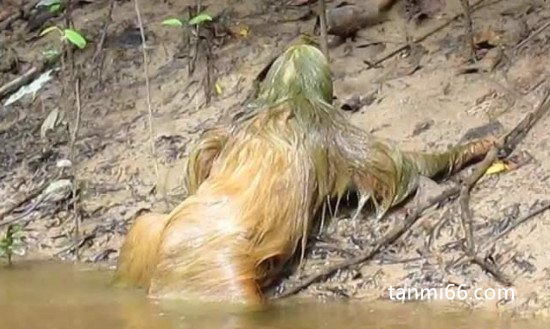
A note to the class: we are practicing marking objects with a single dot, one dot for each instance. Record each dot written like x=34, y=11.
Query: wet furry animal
x=256, y=187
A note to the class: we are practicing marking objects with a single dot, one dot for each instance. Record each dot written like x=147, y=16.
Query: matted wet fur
x=256, y=185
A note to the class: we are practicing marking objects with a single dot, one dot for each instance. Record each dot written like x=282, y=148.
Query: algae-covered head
x=302, y=70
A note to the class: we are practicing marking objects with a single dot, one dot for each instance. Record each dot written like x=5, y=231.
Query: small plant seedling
x=197, y=20
x=71, y=35
x=12, y=243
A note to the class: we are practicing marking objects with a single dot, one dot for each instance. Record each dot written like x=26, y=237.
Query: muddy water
x=66, y=296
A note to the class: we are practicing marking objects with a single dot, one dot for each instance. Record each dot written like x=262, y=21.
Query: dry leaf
x=497, y=167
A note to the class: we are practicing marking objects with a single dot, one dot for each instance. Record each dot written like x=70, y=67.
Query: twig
x=24, y=200
x=99, y=48
x=469, y=30
x=104, y=31
x=73, y=78
x=77, y=120
x=385, y=241
x=514, y=137
x=33, y=207
x=148, y=89
x=426, y=35
x=193, y=60
x=506, y=144
x=69, y=24
x=530, y=37
x=77, y=244
x=209, y=71
x=464, y=198
x=21, y=80
x=73, y=164
x=435, y=231
x=28, y=76
x=323, y=26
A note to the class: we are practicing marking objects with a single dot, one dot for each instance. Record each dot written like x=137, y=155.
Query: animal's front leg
x=382, y=174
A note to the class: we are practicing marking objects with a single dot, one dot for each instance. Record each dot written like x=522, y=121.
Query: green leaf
x=200, y=18
x=54, y=8
x=75, y=38
x=172, y=22
x=49, y=29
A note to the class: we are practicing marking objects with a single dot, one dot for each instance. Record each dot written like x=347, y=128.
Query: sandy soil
x=418, y=99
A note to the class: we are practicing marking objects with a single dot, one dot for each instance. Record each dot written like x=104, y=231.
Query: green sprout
x=12, y=243
x=71, y=35
x=197, y=20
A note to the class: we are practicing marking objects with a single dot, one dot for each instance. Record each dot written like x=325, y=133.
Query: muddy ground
x=426, y=97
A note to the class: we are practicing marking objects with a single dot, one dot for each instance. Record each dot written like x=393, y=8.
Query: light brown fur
x=255, y=189
x=140, y=250
x=245, y=220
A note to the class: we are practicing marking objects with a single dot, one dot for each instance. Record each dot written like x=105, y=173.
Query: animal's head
x=302, y=70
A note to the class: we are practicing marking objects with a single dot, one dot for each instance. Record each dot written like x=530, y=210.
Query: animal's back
x=245, y=220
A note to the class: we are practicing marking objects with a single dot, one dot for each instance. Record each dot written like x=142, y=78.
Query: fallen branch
x=532, y=35
x=426, y=35
x=505, y=145
x=385, y=241
x=467, y=218
x=464, y=197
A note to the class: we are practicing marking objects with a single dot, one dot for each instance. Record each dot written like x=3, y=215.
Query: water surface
x=49, y=295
